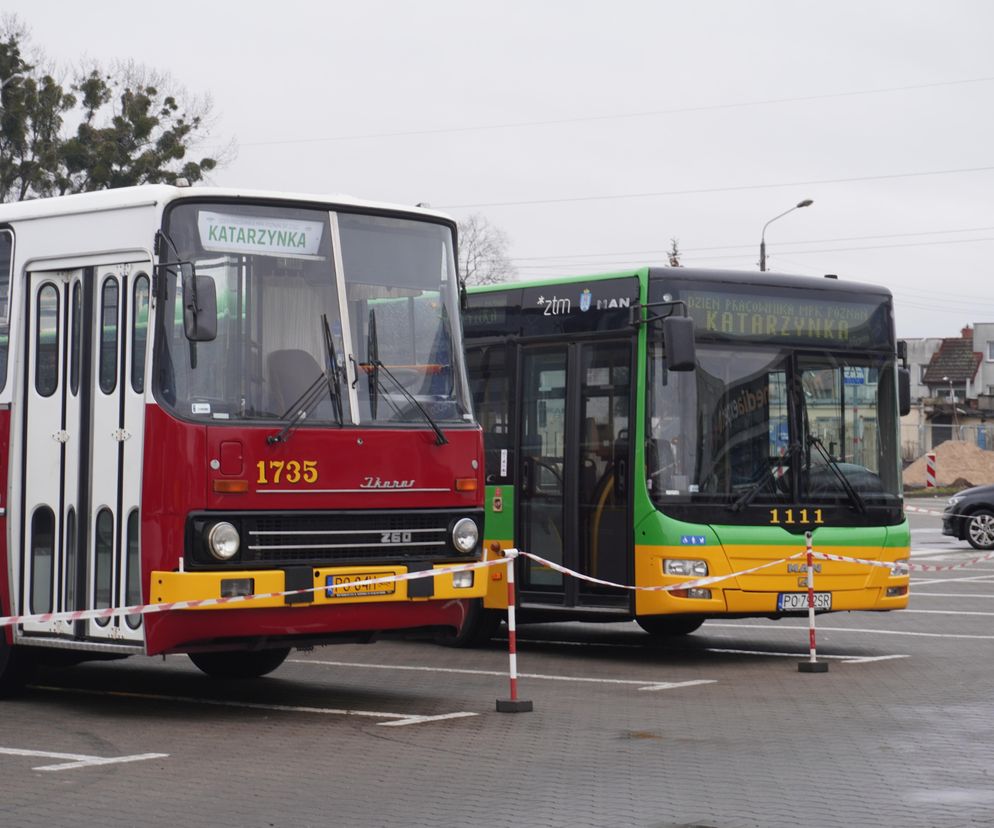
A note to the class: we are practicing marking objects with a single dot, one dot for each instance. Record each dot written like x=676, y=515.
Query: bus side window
x=6, y=265
x=139, y=333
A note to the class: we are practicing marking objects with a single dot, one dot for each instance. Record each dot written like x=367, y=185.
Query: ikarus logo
x=585, y=298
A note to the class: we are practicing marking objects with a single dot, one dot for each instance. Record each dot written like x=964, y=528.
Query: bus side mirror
x=904, y=391
x=199, y=306
x=678, y=340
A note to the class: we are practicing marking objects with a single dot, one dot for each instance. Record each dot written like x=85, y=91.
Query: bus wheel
x=479, y=627
x=667, y=625
x=16, y=669
x=240, y=664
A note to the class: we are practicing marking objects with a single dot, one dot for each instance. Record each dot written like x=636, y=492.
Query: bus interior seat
x=291, y=373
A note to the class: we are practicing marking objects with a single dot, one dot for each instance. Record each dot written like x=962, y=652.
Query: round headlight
x=465, y=535
x=223, y=541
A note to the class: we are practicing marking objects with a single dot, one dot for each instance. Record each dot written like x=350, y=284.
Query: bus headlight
x=223, y=541
x=465, y=535
x=679, y=566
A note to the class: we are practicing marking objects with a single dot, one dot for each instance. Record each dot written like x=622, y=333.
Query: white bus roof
x=154, y=194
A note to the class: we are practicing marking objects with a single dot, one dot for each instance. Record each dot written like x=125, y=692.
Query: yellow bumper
x=853, y=586
x=169, y=587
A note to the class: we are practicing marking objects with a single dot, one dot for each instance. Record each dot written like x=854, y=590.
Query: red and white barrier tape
x=711, y=579
x=919, y=510
x=914, y=567
x=146, y=609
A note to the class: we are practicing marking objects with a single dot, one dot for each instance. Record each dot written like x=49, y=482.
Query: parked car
x=969, y=516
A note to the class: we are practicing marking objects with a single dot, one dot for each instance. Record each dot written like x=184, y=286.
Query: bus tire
x=16, y=669
x=479, y=627
x=669, y=625
x=240, y=664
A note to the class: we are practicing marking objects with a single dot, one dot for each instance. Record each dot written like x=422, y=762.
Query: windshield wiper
x=375, y=383
x=850, y=490
x=440, y=438
x=302, y=407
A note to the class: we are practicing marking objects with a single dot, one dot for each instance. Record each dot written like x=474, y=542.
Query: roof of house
x=955, y=360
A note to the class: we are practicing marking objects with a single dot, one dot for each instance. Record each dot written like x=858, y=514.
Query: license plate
x=798, y=601
x=357, y=585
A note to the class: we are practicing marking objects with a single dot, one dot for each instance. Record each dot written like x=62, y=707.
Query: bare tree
x=674, y=253
x=483, y=256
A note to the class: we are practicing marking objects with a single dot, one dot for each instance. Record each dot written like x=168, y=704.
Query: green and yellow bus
x=660, y=425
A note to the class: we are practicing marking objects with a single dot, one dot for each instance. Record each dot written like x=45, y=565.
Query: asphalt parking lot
x=716, y=729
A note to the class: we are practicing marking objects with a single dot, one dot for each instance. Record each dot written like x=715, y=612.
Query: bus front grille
x=322, y=538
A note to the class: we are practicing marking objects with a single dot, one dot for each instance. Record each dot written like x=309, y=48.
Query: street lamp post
x=762, y=239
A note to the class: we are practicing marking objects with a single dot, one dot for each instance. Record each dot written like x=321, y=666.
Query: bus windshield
x=292, y=285
x=769, y=417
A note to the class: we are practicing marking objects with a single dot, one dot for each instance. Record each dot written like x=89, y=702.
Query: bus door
x=83, y=427
x=575, y=472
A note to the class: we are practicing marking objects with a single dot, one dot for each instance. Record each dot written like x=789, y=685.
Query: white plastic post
x=812, y=665
x=513, y=704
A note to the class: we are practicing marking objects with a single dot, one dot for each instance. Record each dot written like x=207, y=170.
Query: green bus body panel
x=652, y=527
x=499, y=525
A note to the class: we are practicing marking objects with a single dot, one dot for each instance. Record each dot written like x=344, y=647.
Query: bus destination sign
x=790, y=318
x=225, y=233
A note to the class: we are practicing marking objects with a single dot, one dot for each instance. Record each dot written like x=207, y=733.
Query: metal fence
x=916, y=440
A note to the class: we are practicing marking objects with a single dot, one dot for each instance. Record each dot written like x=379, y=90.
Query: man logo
x=585, y=300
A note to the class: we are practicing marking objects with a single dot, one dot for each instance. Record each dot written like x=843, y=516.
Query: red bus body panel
x=353, y=469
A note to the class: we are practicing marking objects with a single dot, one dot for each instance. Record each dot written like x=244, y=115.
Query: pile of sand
x=956, y=463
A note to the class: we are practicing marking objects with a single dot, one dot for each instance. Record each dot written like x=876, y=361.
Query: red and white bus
x=209, y=393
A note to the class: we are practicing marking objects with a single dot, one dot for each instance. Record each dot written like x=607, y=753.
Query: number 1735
x=287, y=471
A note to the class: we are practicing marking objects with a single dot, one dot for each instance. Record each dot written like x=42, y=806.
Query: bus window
x=139, y=333
x=134, y=588
x=6, y=268
x=103, y=581
x=108, y=336
x=491, y=390
x=47, y=341
x=42, y=556
x=75, y=333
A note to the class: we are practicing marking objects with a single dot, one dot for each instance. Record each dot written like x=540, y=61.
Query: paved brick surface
x=904, y=742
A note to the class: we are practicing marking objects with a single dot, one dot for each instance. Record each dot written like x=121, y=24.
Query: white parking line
x=822, y=628
x=79, y=760
x=945, y=612
x=961, y=595
x=396, y=719
x=642, y=685
x=849, y=659
x=845, y=659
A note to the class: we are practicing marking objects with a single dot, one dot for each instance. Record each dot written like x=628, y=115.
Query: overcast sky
x=593, y=132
